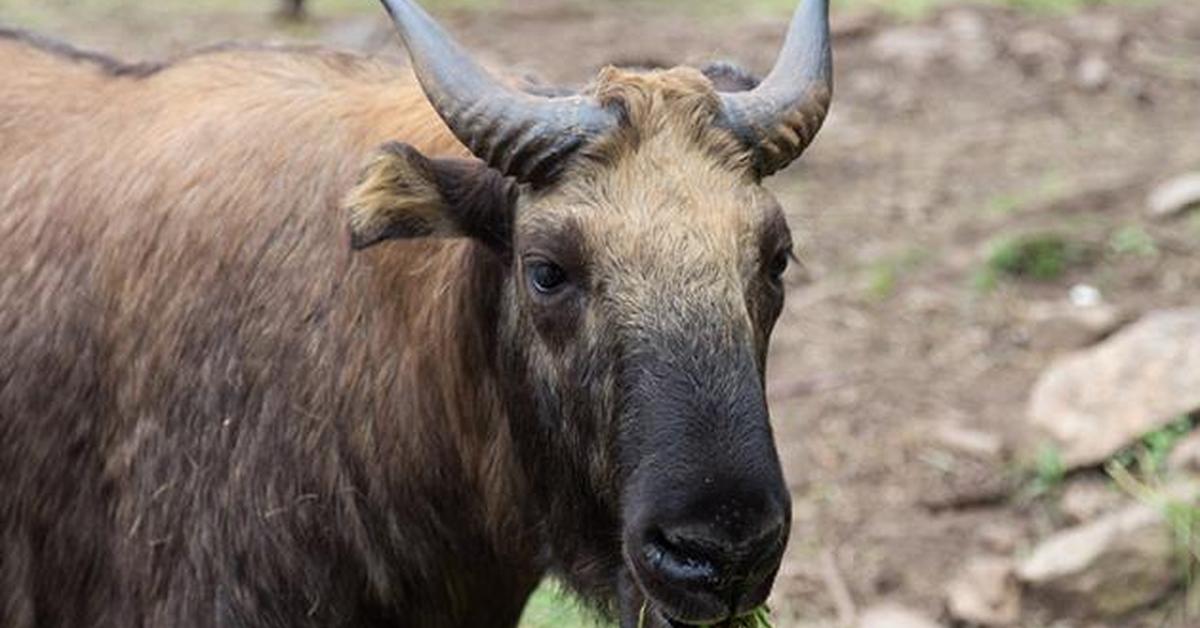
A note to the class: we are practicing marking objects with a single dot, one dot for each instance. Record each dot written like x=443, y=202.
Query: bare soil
x=989, y=125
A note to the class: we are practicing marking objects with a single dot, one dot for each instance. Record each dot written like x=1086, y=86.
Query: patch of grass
x=1149, y=455
x=1049, y=471
x=1051, y=186
x=1181, y=512
x=551, y=606
x=882, y=276
x=984, y=280
x=1036, y=256
x=1182, y=516
x=1133, y=240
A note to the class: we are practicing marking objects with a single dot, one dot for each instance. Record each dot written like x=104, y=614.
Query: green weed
x=1133, y=240
x=1049, y=471
x=1150, y=454
x=1182, y=516
x=884, y=275
x=1036, y=256
x=552, y=606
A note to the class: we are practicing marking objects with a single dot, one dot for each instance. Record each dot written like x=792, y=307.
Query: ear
x=403, y=194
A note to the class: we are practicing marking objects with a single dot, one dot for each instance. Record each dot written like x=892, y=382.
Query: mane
x=107, y=64
x=682, y=102
x=114, y=67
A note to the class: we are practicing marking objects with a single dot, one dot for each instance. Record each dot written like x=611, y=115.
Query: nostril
x=768, y=538
x=760, y=553
x=680, y=557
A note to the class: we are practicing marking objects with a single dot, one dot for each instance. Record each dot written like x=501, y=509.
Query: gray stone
x=986, y=593
x=1093, y=73
x=998, y=537
x=894, y=616
x=973, y=442
x=1060, y=326
x=1175, y=196
x=1086, y=499
x=1105, y=568
x=1092, y=403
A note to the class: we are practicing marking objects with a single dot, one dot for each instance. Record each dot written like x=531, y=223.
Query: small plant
x=1182, y=516
x=1150, y=454
x=1133, y=240
x=1037, y=256
x=552, y=606
x=881, y=281
x=884, y=275
x=984, y=280
x=1049, y=471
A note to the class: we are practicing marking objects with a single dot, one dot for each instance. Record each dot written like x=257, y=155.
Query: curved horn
x=524, y=136
x=780, y=117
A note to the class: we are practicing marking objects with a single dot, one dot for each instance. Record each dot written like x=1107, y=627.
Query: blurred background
x=985, y=382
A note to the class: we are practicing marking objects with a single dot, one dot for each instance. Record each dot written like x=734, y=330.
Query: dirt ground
x=947, y=134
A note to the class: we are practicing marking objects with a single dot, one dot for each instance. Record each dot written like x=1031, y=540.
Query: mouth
x=686, y=582
x=652, y=616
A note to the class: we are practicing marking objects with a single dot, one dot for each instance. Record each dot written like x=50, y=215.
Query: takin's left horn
x=525, y=136
x=779, y=119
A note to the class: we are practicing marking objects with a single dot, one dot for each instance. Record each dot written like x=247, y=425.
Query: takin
x=291, y=337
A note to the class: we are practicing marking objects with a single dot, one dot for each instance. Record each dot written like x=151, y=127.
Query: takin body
x=247, y=380
x=212, y=412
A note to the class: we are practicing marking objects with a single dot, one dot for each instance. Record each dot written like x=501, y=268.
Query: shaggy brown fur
x=214, y=412
x=211, y=411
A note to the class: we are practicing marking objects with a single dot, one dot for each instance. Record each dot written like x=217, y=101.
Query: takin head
x=643, y=275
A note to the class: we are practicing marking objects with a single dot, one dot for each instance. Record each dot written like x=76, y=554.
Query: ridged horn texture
x=779, y=119
x=524, y=136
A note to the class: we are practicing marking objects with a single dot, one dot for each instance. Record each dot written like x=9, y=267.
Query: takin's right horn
x=779, y=119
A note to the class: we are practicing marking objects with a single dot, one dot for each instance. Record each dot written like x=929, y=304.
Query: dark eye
x=778, y=265
x=545, y=277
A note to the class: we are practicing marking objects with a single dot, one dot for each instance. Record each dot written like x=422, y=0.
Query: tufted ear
x=403, y=194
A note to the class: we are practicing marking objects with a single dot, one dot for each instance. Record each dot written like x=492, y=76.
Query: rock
x=1185, y=458
x=915, y=47
x=894, y=616
x=998, y=537
x=1105, y=568
x=1093, y=73
x=1092, y=403
x=986, y=593
x=1084, y=295
x=1087, y=499
x=1058, y=326
x=1175, y=196
x=972, y=442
